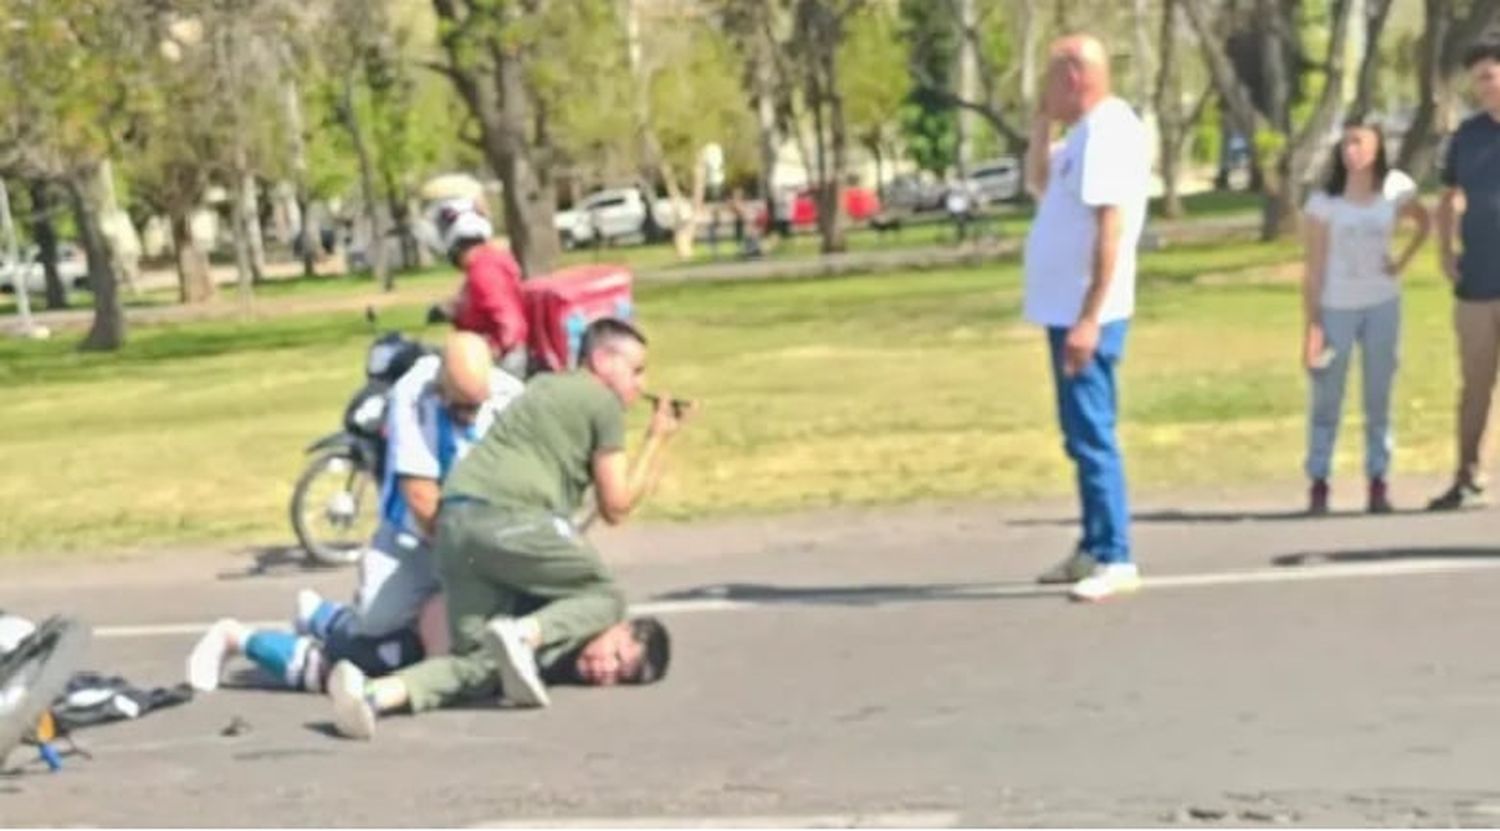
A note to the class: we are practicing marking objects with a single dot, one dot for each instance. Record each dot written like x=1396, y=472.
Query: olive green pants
x=492, y=561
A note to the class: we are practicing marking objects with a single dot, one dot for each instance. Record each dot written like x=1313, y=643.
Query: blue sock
x=278, y=653
x=322, y=618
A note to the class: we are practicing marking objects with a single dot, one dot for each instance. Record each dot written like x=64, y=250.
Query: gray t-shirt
x=1473, y=166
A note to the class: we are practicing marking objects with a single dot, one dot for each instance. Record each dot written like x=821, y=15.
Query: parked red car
x=860, y=204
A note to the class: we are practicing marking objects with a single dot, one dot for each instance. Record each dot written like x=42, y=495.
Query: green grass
x=861, y=390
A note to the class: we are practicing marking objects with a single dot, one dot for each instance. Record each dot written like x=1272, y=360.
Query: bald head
x=465, y=378
x=1077, y=76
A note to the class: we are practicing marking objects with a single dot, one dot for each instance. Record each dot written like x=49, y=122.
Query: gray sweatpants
x=396, y=576
x=1377, y=330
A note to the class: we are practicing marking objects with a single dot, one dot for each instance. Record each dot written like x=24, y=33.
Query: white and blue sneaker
x=520, y=679
x=205, y=664
x=1108, y=580
x=353, y=714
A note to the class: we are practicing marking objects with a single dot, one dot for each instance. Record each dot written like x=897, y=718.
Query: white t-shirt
x=1359, y=240
x=1104, y=160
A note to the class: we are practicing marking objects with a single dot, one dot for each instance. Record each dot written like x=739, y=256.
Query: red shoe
x=1317, y=498
x=1380, y=500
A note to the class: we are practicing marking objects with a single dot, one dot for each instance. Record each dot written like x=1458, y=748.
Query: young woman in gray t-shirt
x=1352, y=295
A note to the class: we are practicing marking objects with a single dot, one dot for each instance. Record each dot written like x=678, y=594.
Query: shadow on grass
x=866, y=595
x=147, y=348
x=1385, y=555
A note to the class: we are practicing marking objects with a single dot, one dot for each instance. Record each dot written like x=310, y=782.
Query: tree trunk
x=833, y=228
x=1168, y=105
x=375, y=248
x=87, y=194
x=1274, y=68
x=400, y=208
x=1283, y=181
x=653, y=161
x=255, y=244
x=1031, y=35
x=238, y=224
x=44, y=234
x=1377, y=13
x=525, y=165
x=821, y=32
x=769, y=138
x=291, y=98
x=1140, y=63
x=1435, y=96
x=114, y=223
x=1279, y=211
x=966, y=20
x=194, y=279
x=498, y=98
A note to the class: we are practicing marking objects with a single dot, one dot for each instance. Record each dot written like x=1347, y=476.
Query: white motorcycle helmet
x=459, y=221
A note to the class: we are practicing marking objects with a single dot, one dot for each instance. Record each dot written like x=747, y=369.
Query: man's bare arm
x=620, y=486
x=421, y=497
x=1106, y=254
x=1039, y=155
x=1450, y=208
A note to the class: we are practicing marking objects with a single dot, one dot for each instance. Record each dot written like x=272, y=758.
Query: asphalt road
x=869, y=668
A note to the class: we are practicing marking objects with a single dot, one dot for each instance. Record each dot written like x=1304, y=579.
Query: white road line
x=894, y=819
x=856, y=595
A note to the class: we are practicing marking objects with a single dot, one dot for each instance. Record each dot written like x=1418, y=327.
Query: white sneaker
x=308, y=602
x=520, y=680
x=1080, y=564
x=1108, y=580
x=206, y=662
x=353, y=717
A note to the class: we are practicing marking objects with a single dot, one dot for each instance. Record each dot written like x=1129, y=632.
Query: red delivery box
x=561, y=305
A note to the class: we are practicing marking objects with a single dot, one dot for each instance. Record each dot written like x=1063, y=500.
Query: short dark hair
x=606, y=332
x=1484, y=50
x=657, y=655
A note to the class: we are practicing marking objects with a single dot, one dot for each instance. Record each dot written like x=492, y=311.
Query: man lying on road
x=505, y=532
x=636, y=651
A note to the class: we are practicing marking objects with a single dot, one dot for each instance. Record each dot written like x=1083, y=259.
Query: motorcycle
x=33, y=672
x=333, y=510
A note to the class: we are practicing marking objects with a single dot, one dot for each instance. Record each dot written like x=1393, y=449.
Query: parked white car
x=612, y=214
x=996, y=180
x=72, y=267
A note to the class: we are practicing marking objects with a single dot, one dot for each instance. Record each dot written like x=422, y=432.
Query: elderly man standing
x=1091, y=189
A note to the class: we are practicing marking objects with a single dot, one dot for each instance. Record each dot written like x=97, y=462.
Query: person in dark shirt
x=1470, y=211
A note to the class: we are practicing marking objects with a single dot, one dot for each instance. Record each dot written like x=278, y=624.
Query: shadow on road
x=275, y=560
x=871, y=595
x=1383, y=555
x=1175, y=516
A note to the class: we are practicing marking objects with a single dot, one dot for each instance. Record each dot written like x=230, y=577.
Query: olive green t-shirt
x=539, y=453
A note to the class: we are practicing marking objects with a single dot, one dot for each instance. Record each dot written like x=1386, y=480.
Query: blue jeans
x=1377, y=331
x=1086, y=409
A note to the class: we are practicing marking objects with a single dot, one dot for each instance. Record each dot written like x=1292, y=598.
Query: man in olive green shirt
x=506, y=539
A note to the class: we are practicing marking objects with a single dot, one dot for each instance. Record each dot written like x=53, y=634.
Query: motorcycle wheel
x=33, y=676
x=333, y=508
